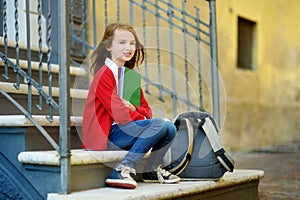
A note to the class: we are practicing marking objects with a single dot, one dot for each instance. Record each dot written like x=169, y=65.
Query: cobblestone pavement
x=282, y=170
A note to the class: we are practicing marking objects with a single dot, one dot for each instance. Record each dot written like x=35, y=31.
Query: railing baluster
x=40, y=53
x=105, y=13
x=198, y=39
x=145, y=44
x=28, y=77
x=94, y=25
x=174, y=97
x=72, y=24
x=83, y=23
x=49, y=51
x=131, y=11
x=5, y=75
x=184, y=28
x=157, y=15
x=118, y=10
x=16, y=69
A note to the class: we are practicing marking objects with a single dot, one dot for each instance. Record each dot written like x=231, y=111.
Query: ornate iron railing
x=44, y=43
x=179, y=20
x=62, y=44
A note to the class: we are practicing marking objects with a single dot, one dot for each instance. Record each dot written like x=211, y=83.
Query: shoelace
x=161, y=173
x=125, y=171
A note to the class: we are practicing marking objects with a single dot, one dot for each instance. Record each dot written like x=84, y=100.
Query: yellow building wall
x=263, y=105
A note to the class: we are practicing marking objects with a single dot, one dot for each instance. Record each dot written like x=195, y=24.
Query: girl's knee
x=165, y=127
x=159, y=122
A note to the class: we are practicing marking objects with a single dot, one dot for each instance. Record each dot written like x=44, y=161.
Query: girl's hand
x=129, y=105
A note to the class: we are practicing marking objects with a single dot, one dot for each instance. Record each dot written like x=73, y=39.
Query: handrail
x=64, y=95
x=214, y=60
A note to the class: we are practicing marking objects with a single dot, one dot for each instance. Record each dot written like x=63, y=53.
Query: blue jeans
x=139, y=137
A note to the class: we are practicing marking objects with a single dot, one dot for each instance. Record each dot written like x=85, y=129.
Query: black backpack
x=196, y=152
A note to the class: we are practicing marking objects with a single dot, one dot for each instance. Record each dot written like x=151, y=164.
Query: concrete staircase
x=90, y=168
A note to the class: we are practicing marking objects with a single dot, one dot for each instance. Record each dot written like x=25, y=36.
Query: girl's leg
x=140, y=136
x=126, y=137
x=161, y=147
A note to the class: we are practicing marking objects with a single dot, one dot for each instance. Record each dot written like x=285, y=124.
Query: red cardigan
x=103, y=107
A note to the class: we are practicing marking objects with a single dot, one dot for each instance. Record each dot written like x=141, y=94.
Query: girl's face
x=123, y=47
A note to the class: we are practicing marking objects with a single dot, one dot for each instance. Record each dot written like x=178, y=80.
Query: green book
x=130, y=86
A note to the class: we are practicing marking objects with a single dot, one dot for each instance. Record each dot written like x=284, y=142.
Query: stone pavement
x=282, y=170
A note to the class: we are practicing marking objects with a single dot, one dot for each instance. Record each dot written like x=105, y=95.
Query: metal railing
x=62, y=108
x=57, y=37
x=154, y=13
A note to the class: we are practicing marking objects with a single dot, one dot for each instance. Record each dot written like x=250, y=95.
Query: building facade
x=259, y=61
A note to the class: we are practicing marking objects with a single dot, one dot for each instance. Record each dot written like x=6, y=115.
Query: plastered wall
x=263, y=105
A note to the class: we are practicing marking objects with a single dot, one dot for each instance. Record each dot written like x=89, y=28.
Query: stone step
x=78, y=77
x=94, y=166
x=78, y=97
x=78, y=157
x=23, y=64
x=33, y=140
x=79, y=84
x=22, y=121
x=23, y=45
x=241, y=184
x=74, y=93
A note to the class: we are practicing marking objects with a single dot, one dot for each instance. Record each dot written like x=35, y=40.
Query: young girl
x=110, y=122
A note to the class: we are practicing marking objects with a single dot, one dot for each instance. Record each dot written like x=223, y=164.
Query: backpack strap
x=213, y=137
x=188, y=154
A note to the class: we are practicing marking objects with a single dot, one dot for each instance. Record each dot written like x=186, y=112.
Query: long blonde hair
x=100, y=53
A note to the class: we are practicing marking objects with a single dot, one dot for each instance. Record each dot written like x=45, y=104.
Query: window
x=246, y=44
